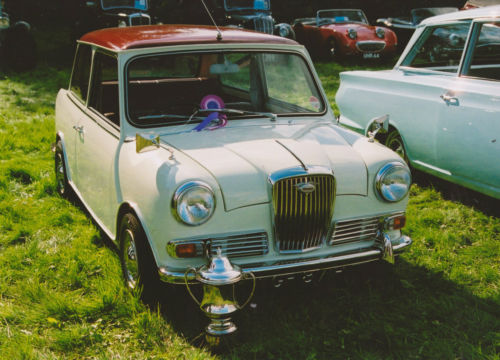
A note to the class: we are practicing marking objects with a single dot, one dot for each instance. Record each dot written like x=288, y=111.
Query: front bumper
x=176, y=276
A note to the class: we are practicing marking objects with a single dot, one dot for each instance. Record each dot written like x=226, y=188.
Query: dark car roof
x=161, y=35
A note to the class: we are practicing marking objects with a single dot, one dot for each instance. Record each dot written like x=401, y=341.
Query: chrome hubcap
x=131, y=269
x=60, y=178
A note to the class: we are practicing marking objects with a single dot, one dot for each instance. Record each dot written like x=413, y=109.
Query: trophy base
x=220, y=327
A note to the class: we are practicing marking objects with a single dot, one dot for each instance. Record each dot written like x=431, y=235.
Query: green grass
x=62, y=297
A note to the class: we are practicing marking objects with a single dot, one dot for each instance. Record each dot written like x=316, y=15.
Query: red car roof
x=160, y=35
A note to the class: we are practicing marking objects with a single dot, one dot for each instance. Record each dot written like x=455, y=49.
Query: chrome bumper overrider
x=178, y=276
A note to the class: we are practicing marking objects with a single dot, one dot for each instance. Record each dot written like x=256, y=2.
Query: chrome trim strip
x=176, y=276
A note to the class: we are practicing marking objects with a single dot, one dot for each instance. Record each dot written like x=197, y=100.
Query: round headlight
x=352, y=33
x=283, y=31
x=193, y=203
x=393, y=181
x=380, y=32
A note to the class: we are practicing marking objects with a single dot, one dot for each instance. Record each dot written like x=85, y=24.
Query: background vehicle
x=98, y=14
x=442, y=97
x=405, y=26
x=17, y=45
x=338, y=33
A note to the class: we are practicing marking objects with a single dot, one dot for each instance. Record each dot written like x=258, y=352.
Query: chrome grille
x=232, y=245
x=348, y=231
x=240, y=245
x=139, y=19
x=263, y=24
x=370, y=46
x=302, y=220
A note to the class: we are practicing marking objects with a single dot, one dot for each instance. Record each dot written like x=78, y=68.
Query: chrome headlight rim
x=283, y=31
x=386, y=170
x=184, y=190
x=380, y=32
x=352, y=33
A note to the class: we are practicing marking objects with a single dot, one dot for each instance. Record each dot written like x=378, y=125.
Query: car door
x=98, y=142
x=431, y=67
x=469, y=146
x=71, y=106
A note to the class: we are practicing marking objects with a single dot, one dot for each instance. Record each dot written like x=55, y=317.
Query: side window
x=485, y=58
x=81, y=72
x=104, y=91
x=439, y=48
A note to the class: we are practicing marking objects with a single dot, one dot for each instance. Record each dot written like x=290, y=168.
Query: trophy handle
x=187, y=284
x=251, y=293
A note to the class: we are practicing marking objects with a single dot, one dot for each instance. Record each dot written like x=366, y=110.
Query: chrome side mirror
x=144, y=143
x=377, y=124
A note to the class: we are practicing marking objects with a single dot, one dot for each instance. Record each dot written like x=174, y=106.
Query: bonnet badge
x=306, y=187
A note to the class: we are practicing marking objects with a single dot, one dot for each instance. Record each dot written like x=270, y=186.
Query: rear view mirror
x=226, y=68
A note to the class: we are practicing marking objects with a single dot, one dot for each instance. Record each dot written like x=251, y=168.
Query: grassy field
x=62, y=297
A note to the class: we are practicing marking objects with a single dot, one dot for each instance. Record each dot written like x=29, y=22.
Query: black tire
x=394, y=142
x=62, y=185
x=138, y=265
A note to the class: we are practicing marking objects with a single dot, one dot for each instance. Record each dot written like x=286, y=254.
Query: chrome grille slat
x=347, y=231
x=232, y=246
x=352, y=224
x=302, y=220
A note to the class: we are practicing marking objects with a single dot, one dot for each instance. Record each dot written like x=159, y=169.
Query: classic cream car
x=186, y=142
x=442, y=98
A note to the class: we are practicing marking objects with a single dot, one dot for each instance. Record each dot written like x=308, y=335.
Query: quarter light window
x=485, y=61
x=439, y=48
x=81, y=72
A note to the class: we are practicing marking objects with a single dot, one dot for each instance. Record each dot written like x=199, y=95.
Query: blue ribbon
x=206, y=121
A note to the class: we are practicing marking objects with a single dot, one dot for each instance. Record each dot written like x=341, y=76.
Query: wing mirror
x=377, y=124
x=144, y=143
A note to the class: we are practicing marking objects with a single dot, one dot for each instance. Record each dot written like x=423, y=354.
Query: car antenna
x=219, y=34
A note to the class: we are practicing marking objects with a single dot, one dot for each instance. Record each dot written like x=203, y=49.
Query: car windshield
x=341, y=16
x=120, y=4
x=417, y=15
x=172, y=89
x=247, y=4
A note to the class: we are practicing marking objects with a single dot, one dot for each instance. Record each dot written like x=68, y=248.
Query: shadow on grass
x=373, y=311
x=457, y=193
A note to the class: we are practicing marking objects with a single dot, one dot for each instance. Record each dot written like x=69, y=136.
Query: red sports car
x=344, y=32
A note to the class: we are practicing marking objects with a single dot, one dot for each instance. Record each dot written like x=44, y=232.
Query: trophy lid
x=219, y=271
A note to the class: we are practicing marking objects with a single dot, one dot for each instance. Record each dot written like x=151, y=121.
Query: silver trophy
x=219, y=279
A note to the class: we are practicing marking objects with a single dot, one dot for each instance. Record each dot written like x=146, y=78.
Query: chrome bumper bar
x=175, y=276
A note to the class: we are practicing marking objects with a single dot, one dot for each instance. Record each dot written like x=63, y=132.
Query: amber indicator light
x=398, y=222
x=185, y=250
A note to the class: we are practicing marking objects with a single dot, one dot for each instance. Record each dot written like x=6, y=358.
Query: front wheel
x=394, y=142
x=62, y=184
x=137, y=261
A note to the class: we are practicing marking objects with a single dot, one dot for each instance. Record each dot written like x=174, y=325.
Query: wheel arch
x=130, y=207
x=60, y=138
x=392, y=127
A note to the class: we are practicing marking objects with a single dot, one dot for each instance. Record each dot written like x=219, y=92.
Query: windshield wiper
x=163, y=116
x=269, y=115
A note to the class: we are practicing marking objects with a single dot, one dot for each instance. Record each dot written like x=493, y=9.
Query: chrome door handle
x=449, y=99
x=79, y=129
